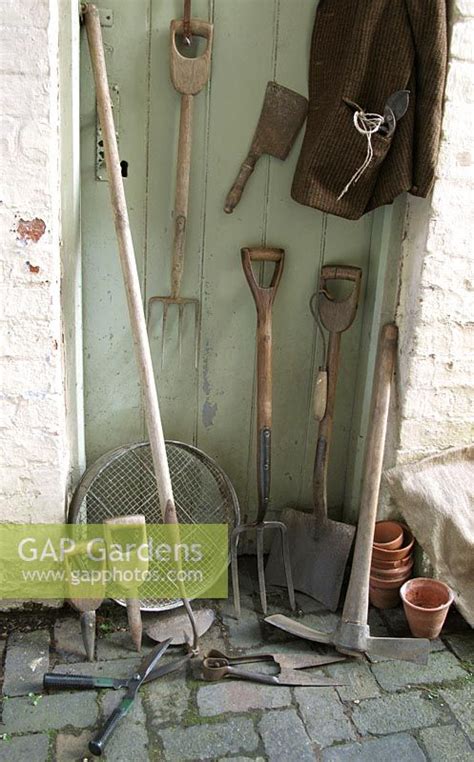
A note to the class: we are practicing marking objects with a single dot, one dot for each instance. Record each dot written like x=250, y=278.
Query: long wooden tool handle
x=238, y=187
x=356, y=605
x=264, y=298
x=181, y=205
x=325, y=429
x=129, y=267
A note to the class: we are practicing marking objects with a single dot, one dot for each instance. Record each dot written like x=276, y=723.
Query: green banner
x=93, y=561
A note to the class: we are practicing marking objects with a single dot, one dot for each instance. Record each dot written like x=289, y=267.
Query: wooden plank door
x=212, y=405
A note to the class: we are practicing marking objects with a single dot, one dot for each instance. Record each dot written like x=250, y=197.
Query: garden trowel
x=281, y=119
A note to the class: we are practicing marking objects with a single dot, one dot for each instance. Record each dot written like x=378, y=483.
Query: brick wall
x=436, y=309
x=33, y=448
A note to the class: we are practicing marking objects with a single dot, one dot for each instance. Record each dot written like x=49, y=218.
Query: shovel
x=352, y=635
x=189, y=76
x=320, y=546
x=282, y=116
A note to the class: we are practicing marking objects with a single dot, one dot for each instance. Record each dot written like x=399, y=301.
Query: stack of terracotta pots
x=392, y=563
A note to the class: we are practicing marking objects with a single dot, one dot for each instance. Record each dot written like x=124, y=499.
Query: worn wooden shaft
x=356, y=605
x=128, y=263
x=181, y=205
x=325, y=429
x=264, y=367
x=133, y=603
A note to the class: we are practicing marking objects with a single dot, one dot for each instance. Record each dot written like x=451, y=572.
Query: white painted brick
x=17, y=13
x=8, y=412
x=442, y=306
x=438, y=372
x=458, y=124
x=438, y=435
x=440, y=405
x=24, y=302
x=455, y=162
x=444, y=338
x=449, y=237
x=32, y=437
x=454, y=201
x=464, y=7
x=24, y=50
x=22, y=377
x=25, y=97
x=38, y=413
x=460, y=83
x=462, y=40
x=37, y=447
x=27, y=339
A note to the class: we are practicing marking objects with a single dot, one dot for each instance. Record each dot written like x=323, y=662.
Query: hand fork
x=189, y=76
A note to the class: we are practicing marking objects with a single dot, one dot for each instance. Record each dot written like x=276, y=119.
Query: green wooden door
x=213, y=406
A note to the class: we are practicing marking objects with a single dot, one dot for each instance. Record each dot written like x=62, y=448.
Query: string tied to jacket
x=366, y=124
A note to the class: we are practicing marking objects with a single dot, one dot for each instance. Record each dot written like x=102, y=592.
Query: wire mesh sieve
x=122, y=482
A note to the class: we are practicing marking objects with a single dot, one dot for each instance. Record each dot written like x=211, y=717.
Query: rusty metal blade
x=405, y=649
x=319, y=553
x=299, y=629
x=282, y=116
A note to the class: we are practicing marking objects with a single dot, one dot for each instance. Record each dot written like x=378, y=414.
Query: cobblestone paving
x=386, y=710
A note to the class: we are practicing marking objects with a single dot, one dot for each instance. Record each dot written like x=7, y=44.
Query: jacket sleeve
x=428, y=20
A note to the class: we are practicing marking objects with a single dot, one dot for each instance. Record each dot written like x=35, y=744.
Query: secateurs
x=146, y=672
x=219, y=667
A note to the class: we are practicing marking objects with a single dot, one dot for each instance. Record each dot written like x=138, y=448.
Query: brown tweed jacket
x=363, y=51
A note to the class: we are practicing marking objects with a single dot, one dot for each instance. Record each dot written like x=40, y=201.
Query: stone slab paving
x=323, y=715
x=461, y=703
x=400, y=747
x=387, y=711
x=462, y=645
x=361, y=684
x=119, y=645
x=3, y=644
x=167, y=699
x=234, y=736
x=71, y=748
x=116, y=668
x=68, y=643
x=26, y=662
x=34, y=748
x=78, y=709
x=442, y=667
x=284, y=737
x=130, y=739
x=238, y=696
x=244, y=632
x=446, y=744
x=397, y=712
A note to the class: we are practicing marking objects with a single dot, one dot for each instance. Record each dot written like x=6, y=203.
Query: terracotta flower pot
x=400, y=572
x=395, y=555
x=426, y=603
x=378, y=564
x=384, y=593
x=388, y=535
x=382, y=598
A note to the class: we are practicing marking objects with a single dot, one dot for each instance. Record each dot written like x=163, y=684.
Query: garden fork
x=264, y=298
x=189, y=76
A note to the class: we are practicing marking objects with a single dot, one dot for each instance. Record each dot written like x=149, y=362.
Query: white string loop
x=365, y=124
